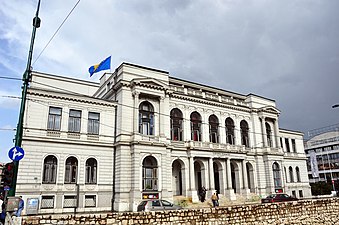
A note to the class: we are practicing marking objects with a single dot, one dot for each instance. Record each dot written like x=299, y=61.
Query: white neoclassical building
x=141, y=133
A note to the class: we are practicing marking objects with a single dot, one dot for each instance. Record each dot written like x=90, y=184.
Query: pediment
x=149, y=82
x=270, y=109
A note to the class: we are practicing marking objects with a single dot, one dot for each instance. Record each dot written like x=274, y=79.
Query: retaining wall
x=320, y=211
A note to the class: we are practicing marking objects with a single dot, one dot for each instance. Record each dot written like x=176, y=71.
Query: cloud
x=284, y=50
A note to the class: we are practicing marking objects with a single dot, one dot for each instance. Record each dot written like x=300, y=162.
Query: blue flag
x=104, y=65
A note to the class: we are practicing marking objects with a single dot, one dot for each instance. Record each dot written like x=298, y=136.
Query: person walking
x=20, y=208
x=215, y=199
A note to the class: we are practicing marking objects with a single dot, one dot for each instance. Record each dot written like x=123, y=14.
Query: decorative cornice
x=209, y=102
x=62, y=96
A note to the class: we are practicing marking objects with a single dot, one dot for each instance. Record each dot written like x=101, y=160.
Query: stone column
x=264, y=134
x=244, y=172
x=161, y=116
x=237, y=131
x=193, y=190
x=224, y=177
x=222, y=131
x=229, y=174
x=192, y=175
x=276, y=134
x=229, y=192
x=211, y=174
x=136, y=112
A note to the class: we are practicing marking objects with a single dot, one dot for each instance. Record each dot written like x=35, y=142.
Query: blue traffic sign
x=16, y=153
x=7, y=188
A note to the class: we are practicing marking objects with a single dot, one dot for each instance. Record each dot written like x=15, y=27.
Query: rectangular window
x=287, y=143
x=294, y=148
x=47, y=202
x=301, y=195
x=281, y=143
x=93, y=123
x=294, y=194
x=90, y=201
x=70, y=201
x=54, y=119
x=74, y=121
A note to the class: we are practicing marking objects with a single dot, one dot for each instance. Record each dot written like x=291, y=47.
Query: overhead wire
x=132, y=107
x=76, y=4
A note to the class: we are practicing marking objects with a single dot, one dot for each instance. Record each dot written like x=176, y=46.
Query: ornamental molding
x=207, y=102
x=61, y=96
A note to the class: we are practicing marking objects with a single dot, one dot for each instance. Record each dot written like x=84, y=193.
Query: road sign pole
x=26, y=77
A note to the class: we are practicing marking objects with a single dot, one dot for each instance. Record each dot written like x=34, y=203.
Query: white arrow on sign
x=16, y=153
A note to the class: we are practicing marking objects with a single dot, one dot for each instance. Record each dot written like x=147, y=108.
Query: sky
x=283, y=50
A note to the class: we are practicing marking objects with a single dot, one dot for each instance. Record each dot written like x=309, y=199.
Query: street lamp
x=26, y=78
x=335, y=106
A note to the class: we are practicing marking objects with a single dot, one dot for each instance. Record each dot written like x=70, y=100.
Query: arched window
x=297, y=171
x=146, y=118
x=71, y=170
x=230, y=131
x=276, y=175
x=290, y=170
x=244, y=133
x=150, y=174
x=176, y=125
x=50, y=170
x=195, y=126
x=91, y=171
x=269, y=134
x=214, y=128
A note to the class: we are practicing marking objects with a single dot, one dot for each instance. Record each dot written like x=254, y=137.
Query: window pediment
x=149, y=82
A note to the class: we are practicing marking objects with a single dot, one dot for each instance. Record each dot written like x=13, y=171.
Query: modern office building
x=141, y=133
x=322, y=151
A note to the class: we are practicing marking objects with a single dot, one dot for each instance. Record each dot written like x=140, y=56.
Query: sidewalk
x=186, y=202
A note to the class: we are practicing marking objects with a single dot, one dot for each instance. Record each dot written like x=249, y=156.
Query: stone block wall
x=320, y=211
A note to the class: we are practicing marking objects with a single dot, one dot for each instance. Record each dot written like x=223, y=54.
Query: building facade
x=322, y=151
x=141, y=133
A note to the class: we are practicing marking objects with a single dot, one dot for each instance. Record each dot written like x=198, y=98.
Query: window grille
x=70, y=201
x=47, y=202
x=90, y=201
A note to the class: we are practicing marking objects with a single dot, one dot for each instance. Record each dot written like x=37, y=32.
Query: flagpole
x=26, y=78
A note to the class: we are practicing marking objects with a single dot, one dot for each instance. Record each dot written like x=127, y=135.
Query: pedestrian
x=203, y=194
x=215, y=199
x=20, y=208
x=2, y=214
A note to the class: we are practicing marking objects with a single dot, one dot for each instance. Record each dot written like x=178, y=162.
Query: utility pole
x=25, y=78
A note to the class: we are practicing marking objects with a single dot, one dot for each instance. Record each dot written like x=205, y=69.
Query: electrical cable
x=76, y=4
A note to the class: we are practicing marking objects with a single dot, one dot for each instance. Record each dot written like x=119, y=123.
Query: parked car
x=278, y=198
x=157, y=205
